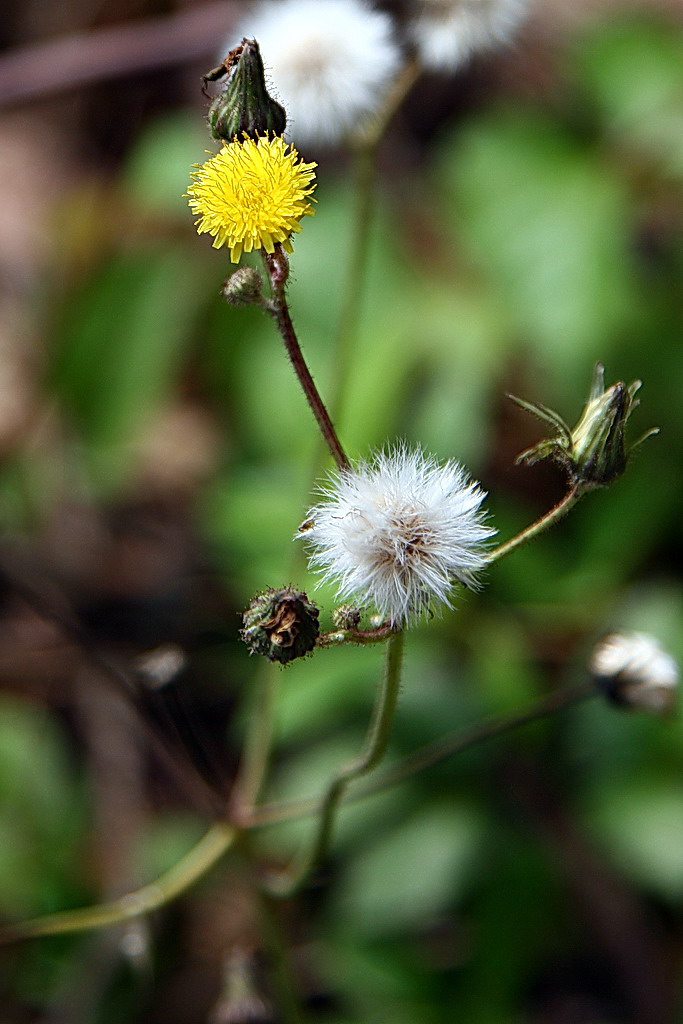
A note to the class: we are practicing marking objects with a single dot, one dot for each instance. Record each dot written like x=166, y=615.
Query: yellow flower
x=252, y=194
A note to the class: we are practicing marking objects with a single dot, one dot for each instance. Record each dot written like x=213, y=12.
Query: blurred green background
x=157, y=458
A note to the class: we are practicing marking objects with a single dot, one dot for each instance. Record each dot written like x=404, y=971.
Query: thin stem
x=362, y=637
x=428, y=755
x=364, y=172
x=543, y=523
x=374, y=747
x=457, y=742
x=277, y=265
x=257, y=744
x=364, y=168
x=392, y=101
x=172, y=883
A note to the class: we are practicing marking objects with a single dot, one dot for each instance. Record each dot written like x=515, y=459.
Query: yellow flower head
x=252, y=194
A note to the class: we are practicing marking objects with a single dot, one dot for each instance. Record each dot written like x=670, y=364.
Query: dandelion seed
x=330, y=62
x=252, y=195
x=446, y=33
x=398, y=531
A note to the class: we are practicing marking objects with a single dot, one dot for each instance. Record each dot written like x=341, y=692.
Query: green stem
x=374, y=747
x=172, y=883
x=457, y=742
x=543, y=523
x=427, y=756
x=365, y=165
x=364, y=173
x=277, y=266
x=257, y=744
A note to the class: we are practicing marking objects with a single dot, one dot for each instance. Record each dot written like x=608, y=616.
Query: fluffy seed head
x=329, y=62
x=398, y=531
x=635, y=670
x=251, y=195
x=446, y=33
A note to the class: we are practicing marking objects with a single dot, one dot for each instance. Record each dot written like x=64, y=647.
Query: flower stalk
x=542, y=524
x=277, y=266
x=374, y=748
x=427, y=756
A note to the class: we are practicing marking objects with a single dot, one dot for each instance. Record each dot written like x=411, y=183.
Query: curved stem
x=428, y=755
x=543, y=523
x=457, y=742
x=172, y=883
x=257, y=744
x=374, y=747
x=277, y=266
x=364, y=170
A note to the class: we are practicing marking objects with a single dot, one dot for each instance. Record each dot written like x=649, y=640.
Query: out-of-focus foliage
x=540, y=238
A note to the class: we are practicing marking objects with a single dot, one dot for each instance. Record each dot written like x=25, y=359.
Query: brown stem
x=277, y=266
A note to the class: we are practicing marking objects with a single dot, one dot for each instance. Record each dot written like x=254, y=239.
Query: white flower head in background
x=398, y=531
x=635, y=670
x=446, y=33
x=329, y=62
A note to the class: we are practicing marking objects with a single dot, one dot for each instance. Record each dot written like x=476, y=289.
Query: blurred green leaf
x=550, y=224
x=633, y=68
x=642, y=826
x=122, y=342
x=428, y=860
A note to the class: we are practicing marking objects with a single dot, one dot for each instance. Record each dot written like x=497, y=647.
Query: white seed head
x=397, y=531
x=446, y=33
x=634, y=669
x=328, y=62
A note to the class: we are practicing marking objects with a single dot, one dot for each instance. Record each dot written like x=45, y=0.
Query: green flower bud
x=244, y=106
x=281, y=625
x=594, y=453
x=244, y=287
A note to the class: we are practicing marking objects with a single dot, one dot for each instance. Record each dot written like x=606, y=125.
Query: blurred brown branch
x=101, y=54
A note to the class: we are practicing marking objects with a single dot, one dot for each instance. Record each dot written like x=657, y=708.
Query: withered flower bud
x=281, y=625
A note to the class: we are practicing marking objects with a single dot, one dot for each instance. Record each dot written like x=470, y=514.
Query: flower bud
x=281, y=625
x=594, y=453
x=633, y=670
x=244, y=287
x=346, y=616
x=244, y=106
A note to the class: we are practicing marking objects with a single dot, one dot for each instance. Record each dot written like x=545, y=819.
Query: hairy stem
x=543, y=523
x=277, y=265
x=374, y=747
x=172, y=883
